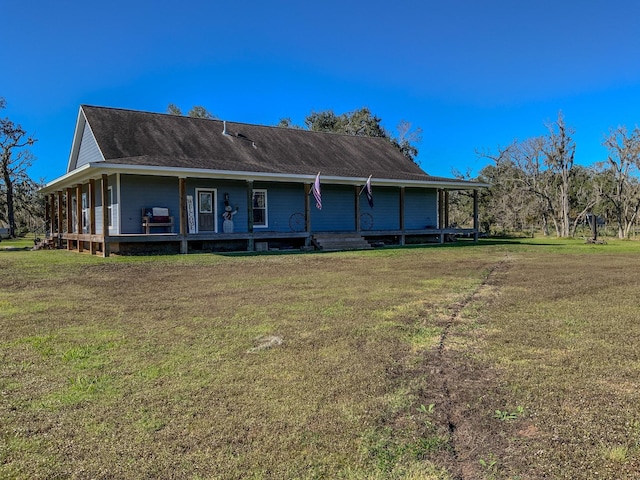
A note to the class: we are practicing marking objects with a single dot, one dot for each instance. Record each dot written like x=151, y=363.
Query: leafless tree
x=621, y=190
x=559, y=151
x=15, y=158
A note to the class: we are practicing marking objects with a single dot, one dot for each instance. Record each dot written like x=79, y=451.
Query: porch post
x=446, y=209
x=250, y=206
x=80, y=245
x=106, y=250
x=356, y=191
x=52, y=215
x=59, y=228
x=69, y=220
x=182, y=189
x=250, y=241
x=441, y=214
x=307, y=213
x=401, y=225
x=92, y=215
x=476, y=221
x=47, y=215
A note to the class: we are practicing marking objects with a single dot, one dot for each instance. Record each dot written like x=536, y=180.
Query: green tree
x=173, y=109
x=364, y=123
x=197, y=111
x=15, y=158
x=200, y=112
x=287, y=123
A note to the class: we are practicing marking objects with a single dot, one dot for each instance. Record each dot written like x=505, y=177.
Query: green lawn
x=506, y=359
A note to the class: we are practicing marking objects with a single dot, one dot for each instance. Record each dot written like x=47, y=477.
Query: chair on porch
x=156, y=217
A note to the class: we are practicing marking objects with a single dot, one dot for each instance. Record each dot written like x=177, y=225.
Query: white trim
x=81, y=121
x=85, y=212
x=75, y=144
x=266, y=207
x=109, y=208
x=74, y=212
x=214, y=205
x=117, y=227
x=92, y=170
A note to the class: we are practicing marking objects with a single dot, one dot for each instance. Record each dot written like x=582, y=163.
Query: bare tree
x=14, y=161
x=559, y=151
x=621, y=191
x=534, y=182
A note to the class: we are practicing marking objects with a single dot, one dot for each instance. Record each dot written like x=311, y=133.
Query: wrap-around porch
x=86, y=227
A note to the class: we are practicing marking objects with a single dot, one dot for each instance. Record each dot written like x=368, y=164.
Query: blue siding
x=140, y=192
x=283, y=200
x=421, y=208
x=89, y=151
x=338, y=209
x=386, y=208
x=237, y=192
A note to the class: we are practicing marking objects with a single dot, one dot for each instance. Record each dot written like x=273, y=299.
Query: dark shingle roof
x=162, y=140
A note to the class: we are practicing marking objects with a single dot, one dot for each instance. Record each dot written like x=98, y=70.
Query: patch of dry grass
x=364, y=365
x=565, y=335
x=140, y=368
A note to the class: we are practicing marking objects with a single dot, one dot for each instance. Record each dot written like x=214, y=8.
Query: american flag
x=316, y=192
x=368, y=192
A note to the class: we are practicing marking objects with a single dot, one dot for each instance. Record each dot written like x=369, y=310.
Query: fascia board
x=276, y=177
x=77, y=139
x=73, y=177
x=94, y=170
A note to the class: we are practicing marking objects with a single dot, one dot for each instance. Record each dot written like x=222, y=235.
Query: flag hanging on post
x=316, y=192
x=368, y=192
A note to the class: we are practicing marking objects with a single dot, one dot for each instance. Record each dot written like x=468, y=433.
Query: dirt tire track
x=452, y=376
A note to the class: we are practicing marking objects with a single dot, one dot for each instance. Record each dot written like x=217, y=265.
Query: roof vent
x=224, y=127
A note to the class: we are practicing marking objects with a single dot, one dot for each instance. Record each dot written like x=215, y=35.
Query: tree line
x=21, y=209
x=535, y=184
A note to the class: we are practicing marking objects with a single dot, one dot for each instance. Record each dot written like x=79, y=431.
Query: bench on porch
x=156, y=217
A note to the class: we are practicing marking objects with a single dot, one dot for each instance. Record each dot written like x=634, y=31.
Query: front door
x=206, y=210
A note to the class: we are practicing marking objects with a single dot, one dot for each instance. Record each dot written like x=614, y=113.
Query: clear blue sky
x=472, y=74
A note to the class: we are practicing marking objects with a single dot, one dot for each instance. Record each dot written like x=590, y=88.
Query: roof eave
x=94, y=170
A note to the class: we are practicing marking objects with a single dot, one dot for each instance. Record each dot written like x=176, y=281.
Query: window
x=260, y=208
x=110, y=206
x=206, y=202
x=74, y=214
x=85, y=213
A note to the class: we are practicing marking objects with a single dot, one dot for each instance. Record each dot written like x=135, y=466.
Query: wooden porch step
x=332, y=242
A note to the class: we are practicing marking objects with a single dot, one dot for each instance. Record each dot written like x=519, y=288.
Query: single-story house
x=139, y=181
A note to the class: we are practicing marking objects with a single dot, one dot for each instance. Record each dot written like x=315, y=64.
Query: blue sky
x=472, y=74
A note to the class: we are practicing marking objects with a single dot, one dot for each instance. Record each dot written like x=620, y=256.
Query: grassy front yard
x=500, y=360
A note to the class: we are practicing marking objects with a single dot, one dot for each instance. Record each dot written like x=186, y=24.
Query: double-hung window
x=260, y=208
x=85, y=212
